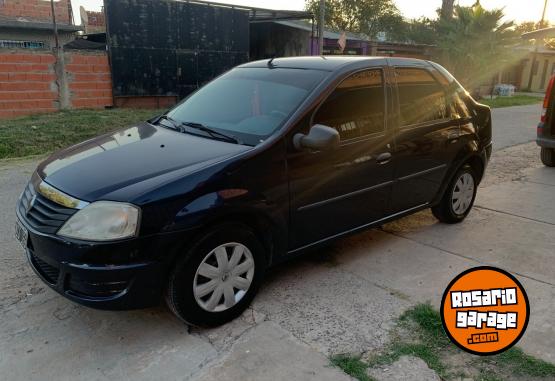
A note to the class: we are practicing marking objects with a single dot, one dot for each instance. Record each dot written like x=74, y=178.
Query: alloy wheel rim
x=463, y=192
x=223, y=277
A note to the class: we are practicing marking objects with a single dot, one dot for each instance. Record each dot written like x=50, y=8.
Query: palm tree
x=476, y=44
x=447, y=9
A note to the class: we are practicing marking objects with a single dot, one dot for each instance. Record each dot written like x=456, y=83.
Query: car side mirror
x=319, y=138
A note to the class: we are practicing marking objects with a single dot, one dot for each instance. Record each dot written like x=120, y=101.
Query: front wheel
x=218, y=278
x=548, y=157
x=459, y=197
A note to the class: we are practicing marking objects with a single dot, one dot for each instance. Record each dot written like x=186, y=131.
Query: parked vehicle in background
x=546, y=127
x=271, y=158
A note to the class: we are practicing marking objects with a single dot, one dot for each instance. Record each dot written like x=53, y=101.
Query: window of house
x=421, y=98
x=22, y=44
x=356, y=108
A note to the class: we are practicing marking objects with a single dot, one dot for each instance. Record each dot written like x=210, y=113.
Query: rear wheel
x=459, y=197
x=548, y=157
x=218, y=278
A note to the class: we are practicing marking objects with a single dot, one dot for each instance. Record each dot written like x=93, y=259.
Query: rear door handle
x=384, y=158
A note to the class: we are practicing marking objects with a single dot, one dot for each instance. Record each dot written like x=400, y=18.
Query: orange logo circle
x=485, y=310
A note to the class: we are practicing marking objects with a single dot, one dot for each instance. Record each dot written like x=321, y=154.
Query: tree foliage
x=476, y=43
x=447, y=7
x=421, y=31
x=527, y=26
x=368, y=17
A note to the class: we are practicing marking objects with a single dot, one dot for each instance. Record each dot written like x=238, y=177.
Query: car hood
x=99, y=167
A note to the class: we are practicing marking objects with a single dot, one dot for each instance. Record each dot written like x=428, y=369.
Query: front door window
x=357, y=106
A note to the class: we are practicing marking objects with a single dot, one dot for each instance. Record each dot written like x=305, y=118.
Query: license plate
x=21, y=234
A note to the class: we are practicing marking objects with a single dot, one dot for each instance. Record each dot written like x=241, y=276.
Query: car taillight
x=546, y=99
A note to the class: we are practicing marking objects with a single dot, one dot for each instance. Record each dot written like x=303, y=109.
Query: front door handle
x=384, y=158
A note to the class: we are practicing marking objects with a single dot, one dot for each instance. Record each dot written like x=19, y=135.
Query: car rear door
x=427, y=137
x=335, y=191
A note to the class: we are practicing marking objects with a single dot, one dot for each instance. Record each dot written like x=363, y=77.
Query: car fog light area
x=103, y=221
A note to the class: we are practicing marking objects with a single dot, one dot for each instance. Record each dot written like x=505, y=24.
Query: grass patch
x=352, y=365
x=429, y=324
x=419, y=333
x=422, y=351
x=520, y=363
x=516, y=100
x=44, y=133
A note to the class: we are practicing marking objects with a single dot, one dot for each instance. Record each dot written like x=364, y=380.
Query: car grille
x=42, y=214
x=48, y=272
x=102, y=289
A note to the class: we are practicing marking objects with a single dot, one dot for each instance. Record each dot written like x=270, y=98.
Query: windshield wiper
x=174, y=123
x=212, y=132
x=179, y=126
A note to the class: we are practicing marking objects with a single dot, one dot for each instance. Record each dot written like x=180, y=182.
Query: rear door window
x=421, y=98
x=356, y=108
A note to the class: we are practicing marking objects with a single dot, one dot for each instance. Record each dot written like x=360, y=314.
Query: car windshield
x=249, y=104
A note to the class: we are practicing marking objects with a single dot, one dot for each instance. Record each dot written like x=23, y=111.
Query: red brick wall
x=90, y=82
x=27, y=83
x=38, y=10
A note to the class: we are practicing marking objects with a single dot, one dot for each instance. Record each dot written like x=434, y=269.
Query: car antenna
x=271, y=62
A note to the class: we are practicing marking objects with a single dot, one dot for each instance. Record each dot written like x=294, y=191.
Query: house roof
x=542, y=49
x=262, y=14
x=328, y=33
x=540, y=33
x=22, y=23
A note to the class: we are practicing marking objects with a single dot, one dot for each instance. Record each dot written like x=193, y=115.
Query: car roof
x=325, y=63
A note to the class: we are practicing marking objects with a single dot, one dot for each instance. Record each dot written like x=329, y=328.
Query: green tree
x=421, y=31
x=526, y=26
x=368, y=17
x=446, y=12
x=476, y=44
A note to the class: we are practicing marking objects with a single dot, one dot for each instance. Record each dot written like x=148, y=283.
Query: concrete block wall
x=36, y=10
x=29, y=83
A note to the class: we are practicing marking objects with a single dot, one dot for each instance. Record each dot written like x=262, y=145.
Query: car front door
x=335, y=191
x=427, y=137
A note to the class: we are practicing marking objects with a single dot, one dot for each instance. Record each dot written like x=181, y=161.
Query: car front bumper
x=121, y=275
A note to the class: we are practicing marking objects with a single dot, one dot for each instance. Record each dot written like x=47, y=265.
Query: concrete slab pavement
x=269, y=353
x=511, y=227
x=329, y=307
x=404, y=369
x=528, y=198
x=47, y=337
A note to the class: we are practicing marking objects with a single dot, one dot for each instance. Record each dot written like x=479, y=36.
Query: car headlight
x=103, y=221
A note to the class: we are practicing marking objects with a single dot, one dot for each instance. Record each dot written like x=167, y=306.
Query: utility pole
x=56, y=38
x=534, y=56
x=59, y=65
x=543, y=13
x=321, y=27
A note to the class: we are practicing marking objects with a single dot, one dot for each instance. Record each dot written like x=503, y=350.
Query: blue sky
x=519, y=10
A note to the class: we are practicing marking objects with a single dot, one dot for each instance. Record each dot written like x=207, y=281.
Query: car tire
x=453, y=208
x=188, y=282
x=548, y=157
